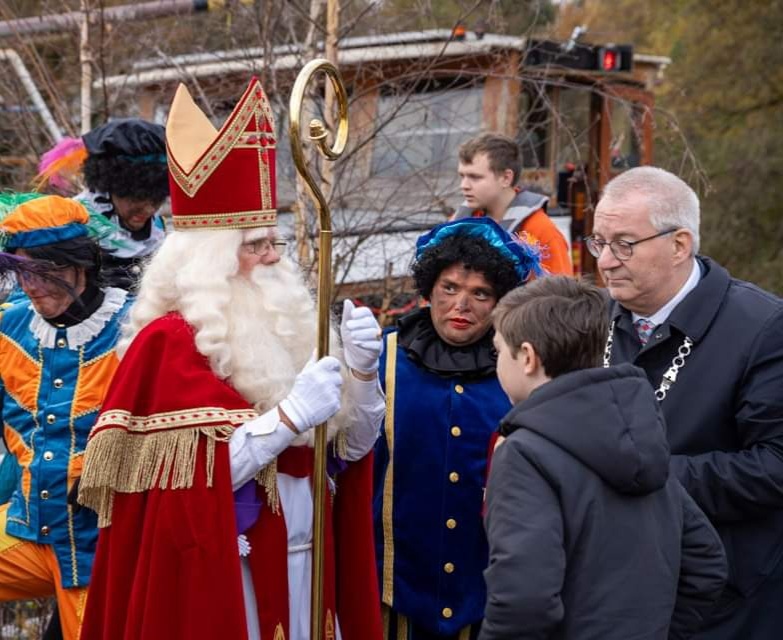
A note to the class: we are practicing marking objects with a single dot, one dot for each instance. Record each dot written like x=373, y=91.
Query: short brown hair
x=564, y=319
x=502, y=152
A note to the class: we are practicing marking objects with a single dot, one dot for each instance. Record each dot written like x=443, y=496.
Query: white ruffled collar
x=80, y=334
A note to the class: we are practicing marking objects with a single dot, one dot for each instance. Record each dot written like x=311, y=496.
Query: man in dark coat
x=590, y=536
x=712, y=347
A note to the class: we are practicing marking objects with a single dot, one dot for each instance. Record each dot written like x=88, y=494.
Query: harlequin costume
x=53, y=378
x=159, y=469
x=444, y=405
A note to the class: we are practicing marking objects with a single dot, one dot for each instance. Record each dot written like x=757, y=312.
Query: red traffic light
x=609, y=62
x=609, y=59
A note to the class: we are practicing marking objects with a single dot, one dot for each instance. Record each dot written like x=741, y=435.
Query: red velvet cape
x=167, y=566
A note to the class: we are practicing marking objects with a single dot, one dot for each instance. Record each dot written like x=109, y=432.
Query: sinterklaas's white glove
x=316, y=394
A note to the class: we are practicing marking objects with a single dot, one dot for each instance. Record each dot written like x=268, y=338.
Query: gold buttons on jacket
x=44, y=530
x=448, y=567
x=48, y=455
x=451, y=523
x=454, y=477
x=58, y=383
x=459, y=388
x=456, y=431
x=51, y=418
x=61, y=342
x=447, y=613
x=44, y=494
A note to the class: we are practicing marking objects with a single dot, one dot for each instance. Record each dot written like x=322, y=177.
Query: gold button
x=61, y=342
x=44, y=495
x=48, y=455
x=50, y=418
x=459, y=388
x=456, y=431
x=451, y=523
x=448, y=567
x=454, y=476
x=447, y=613
x=44, y=530
x=58, y=383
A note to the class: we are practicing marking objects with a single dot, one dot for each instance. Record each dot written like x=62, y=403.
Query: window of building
x=424, y=129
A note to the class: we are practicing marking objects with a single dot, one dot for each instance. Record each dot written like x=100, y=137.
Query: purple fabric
x=334, y=464
x=247, y=505
x=248, y=501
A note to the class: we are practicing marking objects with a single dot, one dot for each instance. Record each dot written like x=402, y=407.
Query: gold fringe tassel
x=117, y=460
x=267, y=478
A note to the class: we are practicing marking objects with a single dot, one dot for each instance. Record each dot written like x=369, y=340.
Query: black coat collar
x=694, y=315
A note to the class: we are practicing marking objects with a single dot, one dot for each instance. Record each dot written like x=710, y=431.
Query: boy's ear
x=529, y=358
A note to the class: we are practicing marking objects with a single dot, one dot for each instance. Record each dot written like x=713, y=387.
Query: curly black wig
x=475, y=253
x=141, y=181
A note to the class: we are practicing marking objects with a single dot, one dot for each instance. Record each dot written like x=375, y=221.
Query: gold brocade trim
x=236, y=220
x=205, y=416
x=71, y=451
x=329, y=625
x=233, y=132
x=132, y=462
x=402, y=627
x=279, y=632
x=387, y=596
x=385, y=621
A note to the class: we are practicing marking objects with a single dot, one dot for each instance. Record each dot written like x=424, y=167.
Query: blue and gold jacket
x=430, y=474
x=52, y=384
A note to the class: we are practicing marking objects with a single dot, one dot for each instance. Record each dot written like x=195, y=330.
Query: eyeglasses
x=264, y=246
x=621, y=249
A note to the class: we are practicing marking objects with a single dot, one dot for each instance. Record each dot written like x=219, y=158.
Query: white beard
x=271, y=335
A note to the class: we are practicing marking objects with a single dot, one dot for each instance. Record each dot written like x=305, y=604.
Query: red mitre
x=222, y=179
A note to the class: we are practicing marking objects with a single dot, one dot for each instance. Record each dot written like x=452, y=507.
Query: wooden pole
x=85, y=57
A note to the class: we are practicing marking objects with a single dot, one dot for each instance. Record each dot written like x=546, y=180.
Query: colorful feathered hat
x=525, y=256
x=126, y=157
x=222, y=179
x=29, y=220
x=35, y=220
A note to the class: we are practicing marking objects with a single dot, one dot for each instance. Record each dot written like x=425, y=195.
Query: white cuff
x=368, y=411
x=255, y=444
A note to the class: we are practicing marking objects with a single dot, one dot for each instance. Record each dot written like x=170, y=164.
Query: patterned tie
x=644, y=329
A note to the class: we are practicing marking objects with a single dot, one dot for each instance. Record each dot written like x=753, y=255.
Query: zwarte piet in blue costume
x=444, y=404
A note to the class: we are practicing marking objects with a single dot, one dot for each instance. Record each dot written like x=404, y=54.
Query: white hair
x=671, y=202
x=257, y=331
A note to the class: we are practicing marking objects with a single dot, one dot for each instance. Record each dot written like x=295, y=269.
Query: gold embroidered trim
x=71, y=450
x=279, y=632
x=387, y=595
x=132, y=462
x=232, y=133
x=329, y=625
x=205, y=416
x=235, y=220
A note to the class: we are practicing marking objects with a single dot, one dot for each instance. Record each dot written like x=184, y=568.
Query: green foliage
x=725, y=89
x=497, y=16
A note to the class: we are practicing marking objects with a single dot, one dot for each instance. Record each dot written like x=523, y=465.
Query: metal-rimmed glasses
x=621, y=249
x=263, y=246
